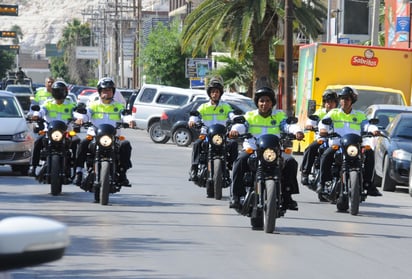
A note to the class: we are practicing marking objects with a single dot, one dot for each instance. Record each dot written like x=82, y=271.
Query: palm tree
x=247, y=23
x=76, y=34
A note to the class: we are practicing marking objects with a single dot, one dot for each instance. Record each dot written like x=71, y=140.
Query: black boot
x=123, y=181
x=193, y=173
x=32, y=171
x=79, y=179
x=289, y=203
x=234, y=202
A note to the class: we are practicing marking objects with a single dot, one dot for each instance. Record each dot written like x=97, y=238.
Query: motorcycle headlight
x=352, y=150
x=269, y=155
x=105, y=141
x=56, y=135
x=217, y=140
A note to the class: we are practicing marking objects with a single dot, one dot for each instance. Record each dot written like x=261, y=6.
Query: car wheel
x=157, y=135
x=388, y=184
x=182, y=137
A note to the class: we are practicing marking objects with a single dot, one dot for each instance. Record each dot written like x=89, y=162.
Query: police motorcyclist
x=346, y=120
x=104, y=111
x=265, y=120
x=55, y=108
x=212, y=112
x=43, y=93
x=329, y=101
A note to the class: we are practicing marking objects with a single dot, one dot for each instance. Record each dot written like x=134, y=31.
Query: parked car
x=173, y=122
x=24, y=94
x=153, y=99
x=76, y=89
x=393, y=153
x=16, y=139
x=385, y=113
x=127, y=93
x=85, y=95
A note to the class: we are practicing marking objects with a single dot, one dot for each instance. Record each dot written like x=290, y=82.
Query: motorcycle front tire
x=104, y=182
x=354, y=192
x=270, y=208
x=218, y=178
x=55, y=178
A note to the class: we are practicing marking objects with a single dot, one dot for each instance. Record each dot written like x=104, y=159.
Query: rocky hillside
x=42, y=21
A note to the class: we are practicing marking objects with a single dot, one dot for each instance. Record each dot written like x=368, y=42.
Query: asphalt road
x=165, y=227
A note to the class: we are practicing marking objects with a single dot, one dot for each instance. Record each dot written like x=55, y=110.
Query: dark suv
x=174, y=121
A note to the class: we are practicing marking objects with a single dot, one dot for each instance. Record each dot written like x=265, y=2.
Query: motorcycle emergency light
x=9, y=10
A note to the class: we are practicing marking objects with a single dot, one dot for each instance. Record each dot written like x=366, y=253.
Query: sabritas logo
x=368, y=59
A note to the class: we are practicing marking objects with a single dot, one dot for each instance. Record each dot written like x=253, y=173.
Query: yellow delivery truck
x=379, y=75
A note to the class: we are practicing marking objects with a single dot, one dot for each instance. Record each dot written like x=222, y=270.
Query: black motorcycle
x=103, y=164
x=346, y=187
x=58, y=168
x=213, y=171
x=263, y=202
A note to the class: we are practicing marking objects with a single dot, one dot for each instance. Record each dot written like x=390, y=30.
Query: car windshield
x=9, y=108
x=386, y=116
x=19, y=89
x=403, y=130
x=369, y=97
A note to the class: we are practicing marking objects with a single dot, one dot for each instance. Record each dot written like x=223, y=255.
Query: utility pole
x=289, y=57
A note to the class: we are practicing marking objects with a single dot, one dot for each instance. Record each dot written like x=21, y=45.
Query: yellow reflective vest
x=259, y=125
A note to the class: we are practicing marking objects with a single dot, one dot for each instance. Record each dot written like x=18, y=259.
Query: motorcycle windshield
x=216, y=129
x=268, y=141
x=350, y=139
x=57, y=125
x=105, y=129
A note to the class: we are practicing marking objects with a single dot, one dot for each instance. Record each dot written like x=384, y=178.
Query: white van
x=153, y=100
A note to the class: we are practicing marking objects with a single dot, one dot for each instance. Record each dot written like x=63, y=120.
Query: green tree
x=162, y=59
x=72, y=70
x=247, y=23
x=19, y=34
x=7, y=59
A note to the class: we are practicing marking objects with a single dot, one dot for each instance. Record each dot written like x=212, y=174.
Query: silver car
x=16, y=138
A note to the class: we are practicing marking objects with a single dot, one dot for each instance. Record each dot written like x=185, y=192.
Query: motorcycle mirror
x=126, y=112
x=239, y=119
x=238, y=112
x=292, y=120
x=314, y=117
x=194, y=113
x=327, y=121
x=35, y=108
x=374, y=121
x=311, y=107
x=81, y=110
x=27, y=241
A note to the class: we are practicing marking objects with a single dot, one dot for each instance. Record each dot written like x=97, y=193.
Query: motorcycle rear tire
x=55, y=178
x=104, y=182
x=218, y=178
x=354, y=192
x=270, y=208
